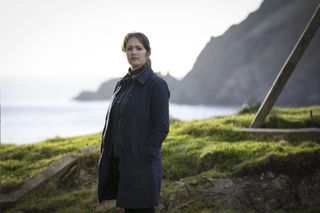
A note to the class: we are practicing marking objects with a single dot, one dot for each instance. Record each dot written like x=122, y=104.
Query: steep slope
x=242, y=63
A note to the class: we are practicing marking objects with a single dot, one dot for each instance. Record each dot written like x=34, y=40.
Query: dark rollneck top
x=136, y=73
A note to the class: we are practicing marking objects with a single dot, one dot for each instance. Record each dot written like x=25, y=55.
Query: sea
x=34, y=109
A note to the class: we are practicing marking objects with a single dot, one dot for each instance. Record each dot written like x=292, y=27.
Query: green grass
x=201, y=147
x=20, y=162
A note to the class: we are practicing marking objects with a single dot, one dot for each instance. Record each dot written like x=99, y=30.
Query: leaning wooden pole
x=287, y=69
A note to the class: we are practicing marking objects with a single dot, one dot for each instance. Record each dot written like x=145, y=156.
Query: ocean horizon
x=35, y=110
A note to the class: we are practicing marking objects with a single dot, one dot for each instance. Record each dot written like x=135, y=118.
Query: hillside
x=241, y=64
x=206, y=168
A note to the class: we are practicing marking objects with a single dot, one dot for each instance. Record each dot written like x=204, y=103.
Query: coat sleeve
x=159, y=115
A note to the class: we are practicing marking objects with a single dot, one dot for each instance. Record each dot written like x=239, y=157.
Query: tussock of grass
x=54, y=200
x=294, y=117
x=202, y=145
x=201, y=155
x=294, y=164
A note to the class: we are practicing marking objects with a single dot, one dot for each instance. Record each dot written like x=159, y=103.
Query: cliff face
x=242, y=63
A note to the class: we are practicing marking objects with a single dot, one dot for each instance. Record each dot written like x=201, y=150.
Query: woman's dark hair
x=141, y=37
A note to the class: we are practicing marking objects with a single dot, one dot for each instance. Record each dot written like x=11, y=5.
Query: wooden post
x=0, y=118
x=287, y=69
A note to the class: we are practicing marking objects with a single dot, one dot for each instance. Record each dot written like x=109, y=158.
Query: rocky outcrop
x=266, y=192
x=104, y=92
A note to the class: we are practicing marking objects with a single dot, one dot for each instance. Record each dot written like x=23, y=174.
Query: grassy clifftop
x=195, y=149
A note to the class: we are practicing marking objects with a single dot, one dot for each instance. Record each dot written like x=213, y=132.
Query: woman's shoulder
x=158, y=83
x=157, y=78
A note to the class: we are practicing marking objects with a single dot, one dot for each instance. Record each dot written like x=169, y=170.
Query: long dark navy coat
x=145, y=126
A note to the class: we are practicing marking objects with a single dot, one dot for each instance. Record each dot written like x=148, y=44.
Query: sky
x=83, y=38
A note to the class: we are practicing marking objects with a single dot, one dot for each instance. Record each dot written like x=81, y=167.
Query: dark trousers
x=144, y=210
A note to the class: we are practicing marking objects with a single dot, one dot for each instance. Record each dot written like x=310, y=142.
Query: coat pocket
x=148, y=155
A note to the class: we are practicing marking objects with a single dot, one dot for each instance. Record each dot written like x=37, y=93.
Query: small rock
x=271, y=175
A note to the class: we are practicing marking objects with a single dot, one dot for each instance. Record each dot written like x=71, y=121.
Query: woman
x=137, y=122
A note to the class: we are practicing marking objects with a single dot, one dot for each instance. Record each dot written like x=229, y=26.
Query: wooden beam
x=287, y=70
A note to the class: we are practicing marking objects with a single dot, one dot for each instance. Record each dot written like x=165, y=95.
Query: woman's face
x=137, y=55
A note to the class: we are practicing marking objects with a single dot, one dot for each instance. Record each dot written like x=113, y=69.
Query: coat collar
x=142, y=76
